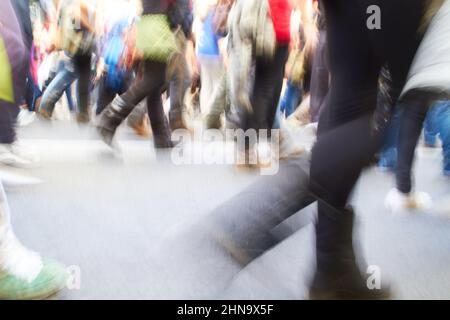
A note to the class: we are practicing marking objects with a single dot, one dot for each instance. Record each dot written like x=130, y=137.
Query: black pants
x=416, y=105
x=83, y=65
x=150, y=84
x=268, y=83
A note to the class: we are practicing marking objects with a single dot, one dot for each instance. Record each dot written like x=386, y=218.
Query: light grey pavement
x=127, y=224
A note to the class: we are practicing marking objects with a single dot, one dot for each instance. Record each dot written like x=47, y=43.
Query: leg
x=23, y=274
x=105, y=96
x=158, y=120
x=414, y=113
x=121, y=107
x=267, y=89
x=69, y=97
x=83, y=66
x=430, y=128
x=218, y=105
x=244, y=224
x=388, y=154
x=319, y=78
x=63, y=79
x=444, y=132
x=179, y=84
x=356, y=56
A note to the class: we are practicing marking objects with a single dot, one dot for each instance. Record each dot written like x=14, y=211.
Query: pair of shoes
x=16, y=155
x=397, y=201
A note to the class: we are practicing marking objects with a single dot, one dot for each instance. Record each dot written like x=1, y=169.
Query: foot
x=213, y=122
x=177, y=121
x=23, y=274
x=288, y=148
x=350, y=286
x=50, y=280
x=83, y=117
x=142, y=129
x=15, y=155
x=163, y=142
x=397, y=201
x=44, y=114
x=25, y=118
x=106, y=135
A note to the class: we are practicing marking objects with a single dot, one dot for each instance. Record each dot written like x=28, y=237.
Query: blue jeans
x=388, y=154
x=78, y=67
x=61, y=83
x=437, y=123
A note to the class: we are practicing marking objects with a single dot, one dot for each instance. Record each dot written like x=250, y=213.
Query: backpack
x=6, y=81
x=115, y=48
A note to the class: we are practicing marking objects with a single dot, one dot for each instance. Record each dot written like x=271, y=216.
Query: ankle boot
x=338, y=275
x=111, y=118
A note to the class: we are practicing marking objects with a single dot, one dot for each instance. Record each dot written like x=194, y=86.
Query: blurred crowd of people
x=275, y=65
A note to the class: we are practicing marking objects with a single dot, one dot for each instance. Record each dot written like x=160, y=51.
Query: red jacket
x=280, y=10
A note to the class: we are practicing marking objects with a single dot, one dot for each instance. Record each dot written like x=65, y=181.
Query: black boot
x=111, y=118
x=338, y=275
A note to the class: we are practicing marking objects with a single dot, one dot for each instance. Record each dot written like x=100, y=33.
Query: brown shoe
x=83, y=117
x=44, y=114
x=142, y=129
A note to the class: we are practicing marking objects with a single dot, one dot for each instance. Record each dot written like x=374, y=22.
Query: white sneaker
x=25, y=118
x=397, y=201
x=15, y=155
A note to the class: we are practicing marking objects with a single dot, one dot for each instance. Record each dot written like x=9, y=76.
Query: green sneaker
x=50, y=281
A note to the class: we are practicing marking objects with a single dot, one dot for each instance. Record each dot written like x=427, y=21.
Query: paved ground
x=124, y=223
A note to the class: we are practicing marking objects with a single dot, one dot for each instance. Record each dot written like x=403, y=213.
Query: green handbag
x=155, y=39
x=6, y=82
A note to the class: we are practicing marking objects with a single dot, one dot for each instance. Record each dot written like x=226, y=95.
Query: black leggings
x=347, y=142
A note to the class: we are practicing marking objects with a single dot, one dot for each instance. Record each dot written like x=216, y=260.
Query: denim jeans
x=388, y=154
x=437, y=123
x=75, y=68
